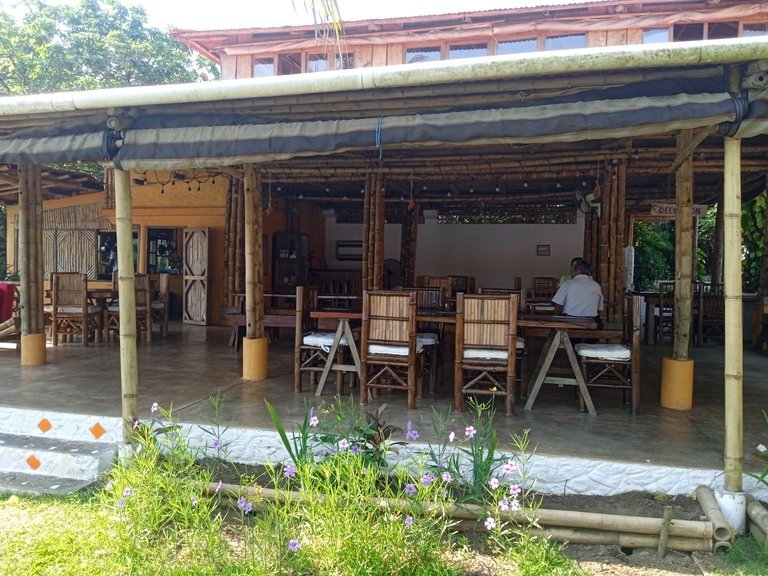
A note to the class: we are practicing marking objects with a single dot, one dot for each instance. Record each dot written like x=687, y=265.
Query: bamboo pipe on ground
x=686, y=529
x=723, y=531
x=757, y=514
x=757, y=533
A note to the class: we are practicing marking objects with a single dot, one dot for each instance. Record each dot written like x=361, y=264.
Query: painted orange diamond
x=44, y=425
x=97, y=430
x=33, y=462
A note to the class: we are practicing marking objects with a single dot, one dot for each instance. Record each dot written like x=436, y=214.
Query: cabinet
x=290, y=261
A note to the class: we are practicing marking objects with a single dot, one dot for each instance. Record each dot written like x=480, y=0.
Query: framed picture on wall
x=542, y=250
x=349, y=250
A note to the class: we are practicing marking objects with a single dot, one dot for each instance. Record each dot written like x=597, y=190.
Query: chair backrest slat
x=390, y=317
x=487, y=320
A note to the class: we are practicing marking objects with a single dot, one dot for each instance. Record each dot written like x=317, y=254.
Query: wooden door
x=195, y=276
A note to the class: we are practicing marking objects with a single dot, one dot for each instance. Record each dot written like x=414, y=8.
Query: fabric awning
x=194, y=141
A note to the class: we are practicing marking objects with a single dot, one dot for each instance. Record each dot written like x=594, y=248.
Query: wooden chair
x=616, y=366
x=390, y=355
x=710, y=320
x=664, y=315
x=159, y=304
x=143, y=311
x=543, y=287
x=486, y=347
x=71, y=313
x=312, y=346
x=429, y=334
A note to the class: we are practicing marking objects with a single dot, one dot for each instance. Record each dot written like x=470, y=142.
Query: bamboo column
x=683, y=245
x=378, y=250
x=734, y=407
x=239, y=235
x=366, y=276
x=620, y=223
x=229, y=249
x=255, y=366
x=31, y=265
x=129, y=373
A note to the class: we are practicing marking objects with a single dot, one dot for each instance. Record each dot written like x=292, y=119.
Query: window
x=655, y=35
x=344, y=61
x=162, y=251
x=566, y=42
x=317, y=63
x=716, y=30
x=756, y=29
x=517, y=46
x=289, y=64
x=467, y=51
x=687, y=32
x=263, y=67
x=414, y=55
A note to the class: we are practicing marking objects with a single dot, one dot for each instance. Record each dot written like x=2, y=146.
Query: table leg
x=542, y=367
x=331, y=357
x=578, y=373
x=343, y=329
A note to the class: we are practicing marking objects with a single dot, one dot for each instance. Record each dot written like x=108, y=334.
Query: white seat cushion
x=322, y=340
x=617, y=352
x=485, y=354
x=157, y=305
x=116, y=308
x=91, y=309
x=427, y=338
x=386, y=350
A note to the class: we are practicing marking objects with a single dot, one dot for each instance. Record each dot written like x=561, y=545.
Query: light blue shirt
x=580, y=296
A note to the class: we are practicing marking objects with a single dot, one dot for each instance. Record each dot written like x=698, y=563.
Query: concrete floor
x=194, y=362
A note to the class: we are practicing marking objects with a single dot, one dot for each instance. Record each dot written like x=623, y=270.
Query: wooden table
x=559, y=328
x=343, y=329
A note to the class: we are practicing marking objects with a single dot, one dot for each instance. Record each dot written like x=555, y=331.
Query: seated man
x=579, y=296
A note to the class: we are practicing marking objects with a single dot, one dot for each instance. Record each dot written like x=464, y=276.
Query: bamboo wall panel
x=70, y=251
x=617, y=37
x=379, y=55
x=364, y=57
x=596, y=39
x=76, y=217
x=195, y=292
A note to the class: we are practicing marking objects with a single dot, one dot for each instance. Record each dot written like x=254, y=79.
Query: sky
x=222, y=14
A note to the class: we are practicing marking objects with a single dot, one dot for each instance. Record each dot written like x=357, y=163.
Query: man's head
x=580, y=266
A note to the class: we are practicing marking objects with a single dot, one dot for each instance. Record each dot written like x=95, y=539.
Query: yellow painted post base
x=255, y=361
x=33, y=349
x=676, y=384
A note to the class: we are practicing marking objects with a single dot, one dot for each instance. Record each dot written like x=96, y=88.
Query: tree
x=94, y=44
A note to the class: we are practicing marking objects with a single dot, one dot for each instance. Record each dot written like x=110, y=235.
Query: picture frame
x=542, y=249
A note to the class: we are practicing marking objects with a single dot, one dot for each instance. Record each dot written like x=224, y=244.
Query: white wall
x=493, y=253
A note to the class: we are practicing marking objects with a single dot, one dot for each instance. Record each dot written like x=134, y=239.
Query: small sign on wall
x=542, y=250
x=670, y=210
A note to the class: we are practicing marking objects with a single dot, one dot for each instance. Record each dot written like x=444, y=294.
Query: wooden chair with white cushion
x=391, y=355
x=159, y=304
x=311, y=345
x=143, y=311
x=487, y=347
x=71, y=313
x=616, y=366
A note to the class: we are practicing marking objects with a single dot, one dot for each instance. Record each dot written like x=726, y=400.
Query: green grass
x=746, y=558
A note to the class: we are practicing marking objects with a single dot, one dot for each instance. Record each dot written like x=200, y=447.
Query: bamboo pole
x=239, y=235
x=577, y=536
x=229, y=252
x=734, y=377
x=254, y=293
x=683, y=244
x=366, y=231
x=722, y=529
x=716, y=269
x=378, y=271
x=757, y=513
x=621, y=232
x=664, y=535
x=129, y=374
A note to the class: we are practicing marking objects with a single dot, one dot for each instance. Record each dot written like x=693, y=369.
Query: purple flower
x=493, y=483
x=470, y=431
x=409, y=521
x=289, y=471
x=216, y=443
x=411, y=433
x=490, y=523
x=343, y=444
x=128, y=491
x=410, y=489
x=314, y=421
x=194, y=501
x=294, y=545
x=509, y=467
x=504, y=504
x=447, y=478
x=515, y=490
x=426, y=480
x=514, y=505
x=248, y=508
x=154, y=408
x=121, y=503
x=354, y=449
x=241, y=502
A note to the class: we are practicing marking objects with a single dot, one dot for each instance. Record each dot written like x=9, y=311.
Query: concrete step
x=35, y=464
x=37, y=484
